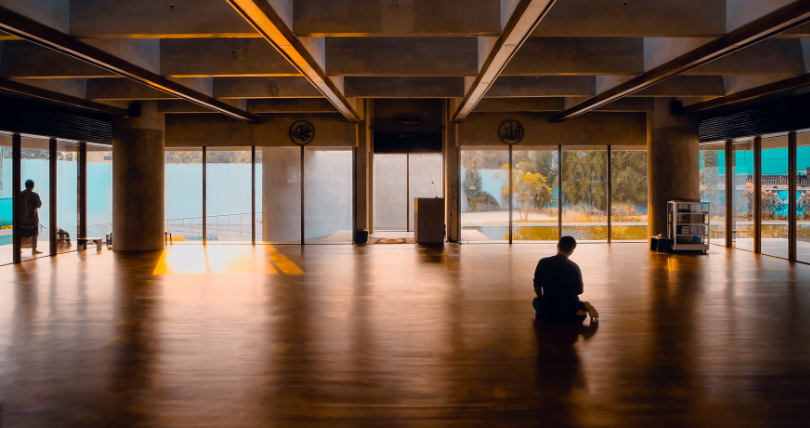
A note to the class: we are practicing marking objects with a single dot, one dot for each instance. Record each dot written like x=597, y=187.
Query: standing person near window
x=29, y=217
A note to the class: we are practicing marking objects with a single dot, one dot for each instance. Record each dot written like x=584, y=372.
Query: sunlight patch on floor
x=201, y=260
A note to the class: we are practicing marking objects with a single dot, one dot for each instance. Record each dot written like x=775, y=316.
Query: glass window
x=424, y=179
x=183, y=194
x=257, y=172
x=99, y=190
x=584, y=193
x=535, y=200
x=67, y=209
x=35, y=167
x=743, y=195
x=278, y=194
x=774, y=205
x=713, y=188
x=484, y=196
x=390, y=191
x=628, y=170
x=328, y=195
x=228, y=194
x=803, y=197
x=6, y=205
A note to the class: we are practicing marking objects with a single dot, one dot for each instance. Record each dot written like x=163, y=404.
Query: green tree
x=804, y=204
x=584, y=180
x=477, y=198
x=771, y=204
x=530, y=189
x=629, y=177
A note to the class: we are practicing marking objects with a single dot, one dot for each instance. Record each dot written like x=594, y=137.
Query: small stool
x=82, y=243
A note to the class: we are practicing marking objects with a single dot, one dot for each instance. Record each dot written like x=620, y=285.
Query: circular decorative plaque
x=510, y=132
x=301, y=132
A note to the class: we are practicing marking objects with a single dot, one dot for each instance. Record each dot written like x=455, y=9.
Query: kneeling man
x=558, y=284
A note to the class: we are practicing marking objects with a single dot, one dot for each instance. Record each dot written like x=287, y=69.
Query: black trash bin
x=360, y=236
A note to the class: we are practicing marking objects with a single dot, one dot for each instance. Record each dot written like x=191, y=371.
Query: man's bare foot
x=35, y=252
x=592, y=312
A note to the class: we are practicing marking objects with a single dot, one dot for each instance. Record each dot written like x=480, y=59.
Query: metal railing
x=222, y=227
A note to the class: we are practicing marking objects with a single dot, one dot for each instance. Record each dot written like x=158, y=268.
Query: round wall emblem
x=301, y=132
x=510, y=132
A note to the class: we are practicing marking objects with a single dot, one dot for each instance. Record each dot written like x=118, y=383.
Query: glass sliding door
x=390, y=191
x=99, y=190
x=278, y=195
x=535, y=194
x=743, y=195
x=6, y=205
x=712, y=167
x=424, y=179
x=774, y=205
x=228, y=194
x=628, y=170
x=584, y=193
x=484, y=195
x=183, y=193
x=257, y=183
x=803, y=196
x=67, y=210
x=35, y=167
x=328, y=195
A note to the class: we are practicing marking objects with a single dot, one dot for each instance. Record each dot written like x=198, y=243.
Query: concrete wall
x=481, y=129
x=195, y=130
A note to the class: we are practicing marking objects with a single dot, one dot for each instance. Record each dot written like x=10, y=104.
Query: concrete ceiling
x=490, y=55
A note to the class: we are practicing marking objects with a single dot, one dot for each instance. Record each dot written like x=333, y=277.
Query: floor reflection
x=399, y=335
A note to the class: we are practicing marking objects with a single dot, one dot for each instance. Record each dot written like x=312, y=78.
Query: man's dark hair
x=567, y=244
x=29, y=183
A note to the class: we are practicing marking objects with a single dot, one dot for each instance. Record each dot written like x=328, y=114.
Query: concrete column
x=362, y=170
x=452, y=165
x=138, y=181
x=672, y=162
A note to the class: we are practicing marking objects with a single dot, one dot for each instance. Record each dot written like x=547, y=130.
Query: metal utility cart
x=688, y=225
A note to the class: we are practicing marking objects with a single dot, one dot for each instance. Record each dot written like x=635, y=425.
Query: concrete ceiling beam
x=404, y=87
x=686, y=86
x=752, y=93
x=774, y=56
x=119, y=89
x=525, y=16
x=48, y=95
x=53, y=13
x=71, y=87
x=222, y=58
x=492, y=105
x=23, y=59
x=571, y=55
x=306, y=105
x=274, y=24
x=439, y=56
x=404, y=18
x=543, y=86
x=264, y=87
x=760, y=29
x=622, y=18
x=104, y=19
x=19, y=25
x=257, y=106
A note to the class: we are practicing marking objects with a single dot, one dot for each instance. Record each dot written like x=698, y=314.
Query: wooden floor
x=400, y=336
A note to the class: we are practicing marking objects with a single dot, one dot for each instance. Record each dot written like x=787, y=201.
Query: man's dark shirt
x=558, y=283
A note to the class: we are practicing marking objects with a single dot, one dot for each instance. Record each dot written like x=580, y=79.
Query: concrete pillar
x=672, y=162
x=138, y=181
x=361, y=170
x=452, y=168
